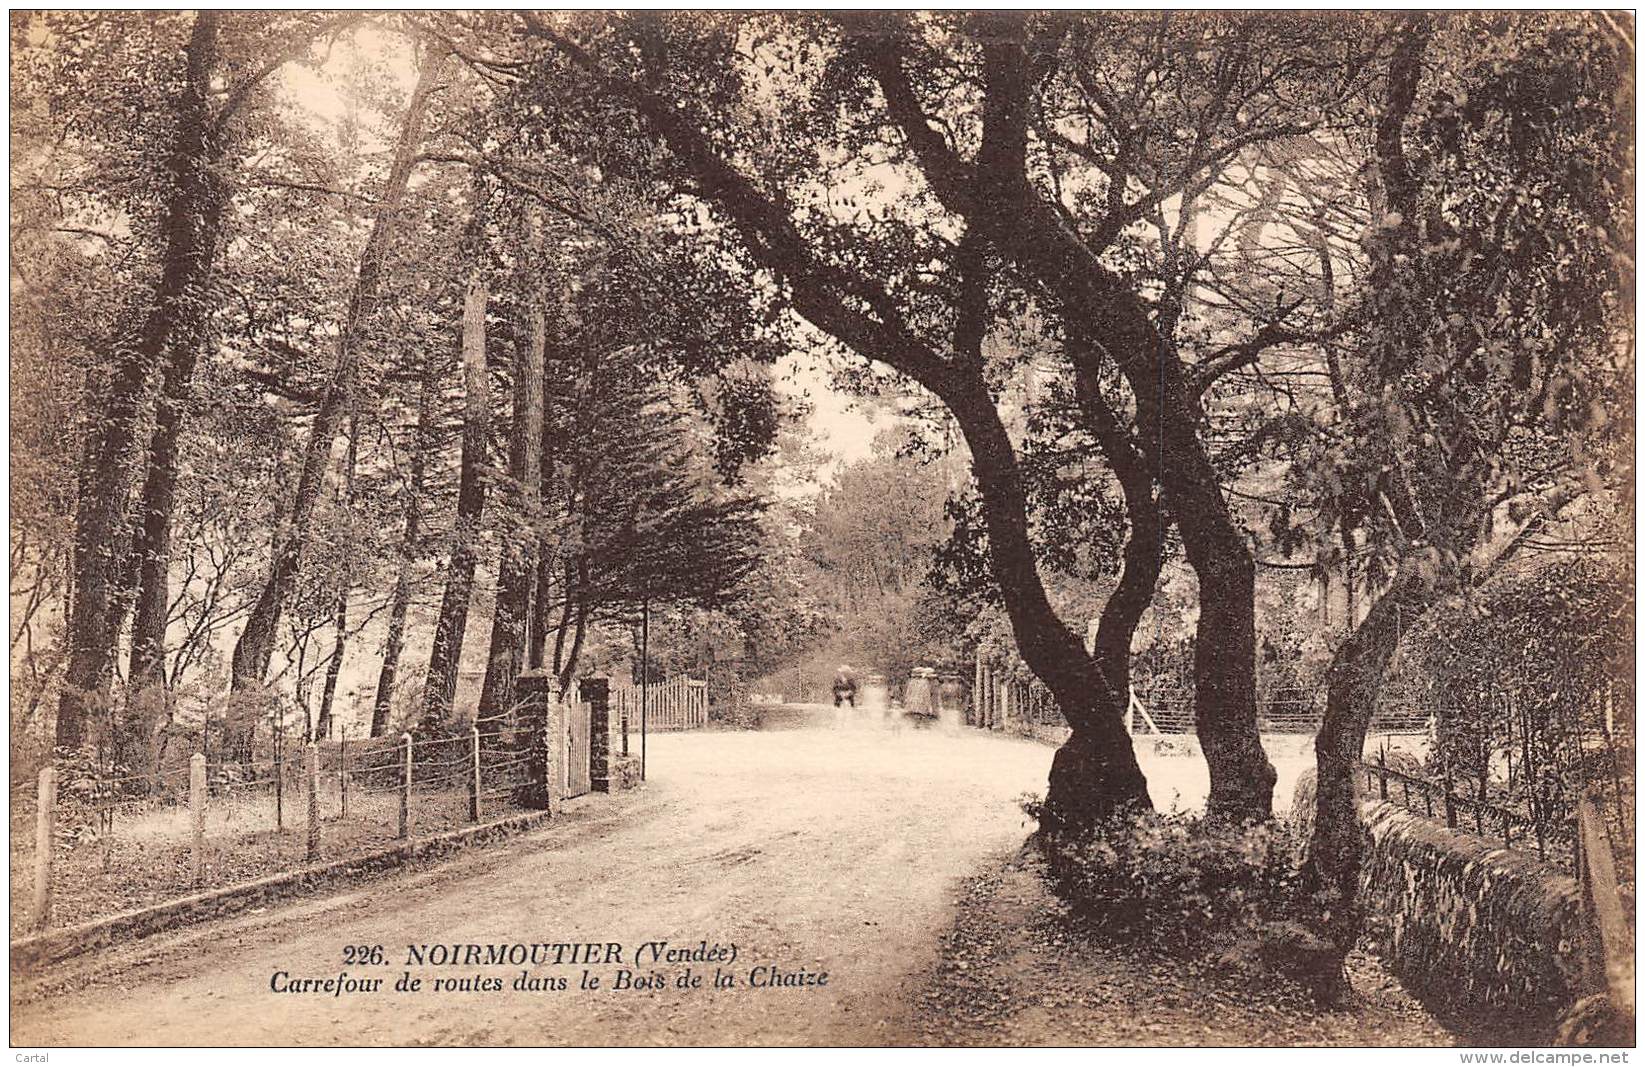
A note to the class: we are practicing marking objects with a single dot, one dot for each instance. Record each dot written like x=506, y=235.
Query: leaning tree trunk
x=1356, y=671
x=1144, y=553
x=383, y=704
x=518, y=571
x=152, y=547
x=1225, y=708
x=1097, y=771
x=1095, y=774
x=256, y=644
x=1355, y=677
x=447, y=655
x=422, y=445
x=173, y=322
x=1101, y=305
x=1352, y=683
x=334, y=667
x=568, y=670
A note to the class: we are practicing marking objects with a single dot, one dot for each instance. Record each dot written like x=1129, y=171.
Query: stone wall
x=1492, y=935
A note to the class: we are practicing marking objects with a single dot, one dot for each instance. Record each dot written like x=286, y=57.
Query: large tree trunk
x=256, y=644
x=1095, y=774
x=568, y=670
x=1225, y=706
x=1352, y=683
x=1005, y=207
x=1357, y=669
x=447, y=655
x=428, y=399
x=173, y=322
x=1225, y=709
x=334, y=667
x=518, y=571
x=1225, y=641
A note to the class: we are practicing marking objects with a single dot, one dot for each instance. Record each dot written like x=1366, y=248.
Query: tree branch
x=821, y=292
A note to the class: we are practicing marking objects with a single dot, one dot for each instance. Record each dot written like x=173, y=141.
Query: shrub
x=1177, y=882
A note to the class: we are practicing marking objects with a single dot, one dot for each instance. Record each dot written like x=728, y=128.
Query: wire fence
x=1508, y=762
x=1514, y=764
x=1004, y=699
x=121, y=842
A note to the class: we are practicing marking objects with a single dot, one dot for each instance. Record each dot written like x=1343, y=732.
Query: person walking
x=845, y=686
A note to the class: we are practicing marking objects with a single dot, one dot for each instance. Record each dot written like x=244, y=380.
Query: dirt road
x=816, y=845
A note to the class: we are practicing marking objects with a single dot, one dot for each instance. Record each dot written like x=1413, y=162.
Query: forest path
x=828, y=841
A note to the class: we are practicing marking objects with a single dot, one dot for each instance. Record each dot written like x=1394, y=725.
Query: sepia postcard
x=942, y=529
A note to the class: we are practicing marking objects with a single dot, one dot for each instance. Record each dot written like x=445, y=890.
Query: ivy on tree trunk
x=446, y=657
x=166, y=323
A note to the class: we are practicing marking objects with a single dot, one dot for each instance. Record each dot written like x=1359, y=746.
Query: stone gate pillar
x=610, y=770
x=538, y=724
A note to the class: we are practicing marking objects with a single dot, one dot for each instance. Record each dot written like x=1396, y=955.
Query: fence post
x=45, y=831
x=1382, y=777
x=405, y=789
x=342, y=770
x=197, y=813
x=279, y=786
x=556, y=753
x=474, y=778
x=1607, y=922
x=311, y=775
x=976, y=692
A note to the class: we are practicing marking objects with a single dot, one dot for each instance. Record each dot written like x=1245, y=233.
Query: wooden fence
x=678, y=704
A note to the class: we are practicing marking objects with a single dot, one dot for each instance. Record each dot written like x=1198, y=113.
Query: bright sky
x=843, y=426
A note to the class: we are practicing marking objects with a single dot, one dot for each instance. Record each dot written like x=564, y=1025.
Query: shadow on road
x=868, y=715
x=789, y=716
